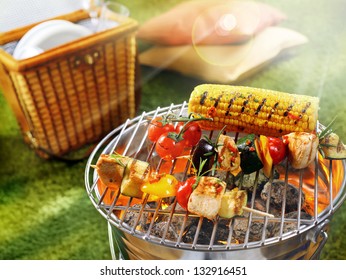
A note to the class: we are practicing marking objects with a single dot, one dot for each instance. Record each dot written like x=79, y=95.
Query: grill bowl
x=303, y=239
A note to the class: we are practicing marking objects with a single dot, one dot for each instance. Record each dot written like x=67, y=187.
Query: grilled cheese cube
x=111, y=168
x=232, y=203
x=302, y=149
x=253, y=110
x=228, y=154
x=205, y=200
x=136, y=173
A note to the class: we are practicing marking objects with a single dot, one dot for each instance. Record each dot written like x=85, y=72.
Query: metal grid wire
x=132, y=135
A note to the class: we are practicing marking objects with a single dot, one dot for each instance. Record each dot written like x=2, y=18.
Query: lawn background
x=45, y=212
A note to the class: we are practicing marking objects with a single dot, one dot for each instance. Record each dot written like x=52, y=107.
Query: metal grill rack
x=153, y=222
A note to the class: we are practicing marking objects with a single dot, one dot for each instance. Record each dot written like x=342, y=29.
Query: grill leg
x=316, y=255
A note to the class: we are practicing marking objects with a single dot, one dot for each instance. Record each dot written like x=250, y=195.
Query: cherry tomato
x=165, y=186
x=157, y=127
x=184, y=191
x=277, y=149
x=191, y=133
x=168, y=148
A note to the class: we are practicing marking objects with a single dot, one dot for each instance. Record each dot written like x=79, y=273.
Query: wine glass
x=112, y=14
x=93, y=6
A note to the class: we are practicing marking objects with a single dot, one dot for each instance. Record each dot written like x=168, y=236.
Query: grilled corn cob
x=253, y=110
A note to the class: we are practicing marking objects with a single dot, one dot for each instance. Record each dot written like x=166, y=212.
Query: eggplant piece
x=204, y=151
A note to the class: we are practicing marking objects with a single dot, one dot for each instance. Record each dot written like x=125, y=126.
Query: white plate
x=24, y=46
x=27, y=52
x=48, y=35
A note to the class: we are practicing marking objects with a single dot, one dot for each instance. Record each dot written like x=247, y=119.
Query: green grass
x=45, y=212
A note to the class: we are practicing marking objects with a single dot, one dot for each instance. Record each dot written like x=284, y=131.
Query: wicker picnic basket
x=74, y=94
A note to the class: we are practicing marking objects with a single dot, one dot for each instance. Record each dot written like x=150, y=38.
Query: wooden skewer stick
x=184, y=157
x=261, y=213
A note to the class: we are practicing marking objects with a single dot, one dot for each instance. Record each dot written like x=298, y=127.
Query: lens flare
x=223, y=34
x=226, y=24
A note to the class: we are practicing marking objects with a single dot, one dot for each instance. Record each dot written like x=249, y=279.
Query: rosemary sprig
x=327, y=130
x=199, y=171
x=117, y=158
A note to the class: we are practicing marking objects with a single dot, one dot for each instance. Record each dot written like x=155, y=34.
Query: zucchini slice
x=136, y=172
x=250, y=161
x=232, y=203
x=332, y=147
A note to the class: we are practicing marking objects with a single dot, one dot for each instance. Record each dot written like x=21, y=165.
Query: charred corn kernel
x=253, y=110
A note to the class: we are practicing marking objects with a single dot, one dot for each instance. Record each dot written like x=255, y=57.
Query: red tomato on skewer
x=184, y=191
x=169, y=148
x=157, y=127
x=192, y=133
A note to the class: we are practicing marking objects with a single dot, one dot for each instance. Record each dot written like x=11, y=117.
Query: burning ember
x=320, y=184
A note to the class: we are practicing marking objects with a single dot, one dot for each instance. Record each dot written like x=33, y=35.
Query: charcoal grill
x=140, y=229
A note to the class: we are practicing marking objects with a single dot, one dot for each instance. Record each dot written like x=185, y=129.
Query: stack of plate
x=47, y=35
